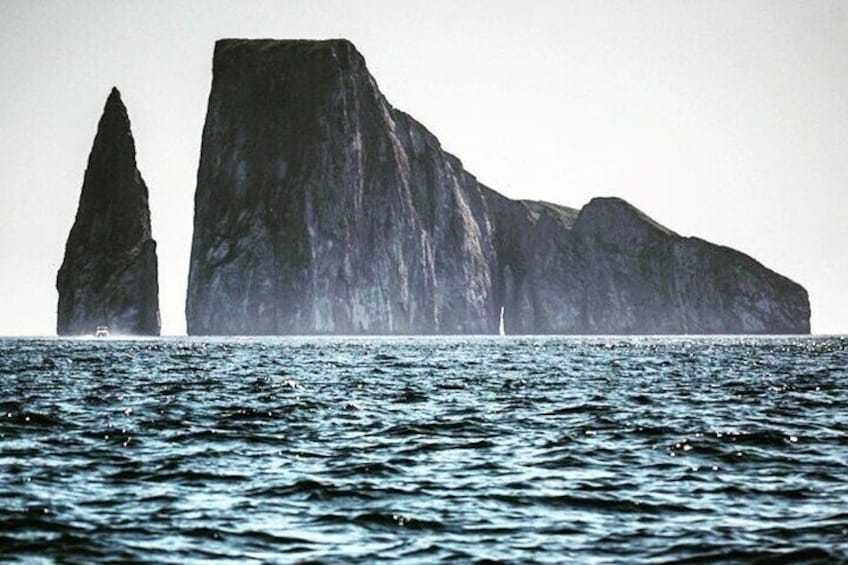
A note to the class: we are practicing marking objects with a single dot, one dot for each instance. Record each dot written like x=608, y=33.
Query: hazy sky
x=725, y=120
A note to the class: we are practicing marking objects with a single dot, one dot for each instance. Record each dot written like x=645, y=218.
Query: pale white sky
x=725, y=119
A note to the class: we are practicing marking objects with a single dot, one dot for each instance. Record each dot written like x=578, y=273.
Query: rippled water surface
x=452, y=449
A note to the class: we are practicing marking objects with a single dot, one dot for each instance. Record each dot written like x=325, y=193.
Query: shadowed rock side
x=610, y=269
x=321, y=209
x=109, y=274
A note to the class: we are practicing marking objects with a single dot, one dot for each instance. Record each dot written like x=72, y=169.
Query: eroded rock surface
x=610, y=269
x=322, y=209
x=109, y=274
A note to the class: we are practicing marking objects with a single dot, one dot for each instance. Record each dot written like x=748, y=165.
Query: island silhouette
x=322, y=209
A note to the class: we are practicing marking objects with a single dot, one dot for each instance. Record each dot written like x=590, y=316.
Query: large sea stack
x=109, y=275
x=322, y=209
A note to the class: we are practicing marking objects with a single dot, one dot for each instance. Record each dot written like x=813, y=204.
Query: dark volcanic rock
x=322, y=209
x=109, y=275
x=610, y=269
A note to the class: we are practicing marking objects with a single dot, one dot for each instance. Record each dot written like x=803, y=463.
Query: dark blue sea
x=517, y=449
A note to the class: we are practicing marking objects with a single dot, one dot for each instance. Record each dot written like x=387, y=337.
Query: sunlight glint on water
x=605, y=449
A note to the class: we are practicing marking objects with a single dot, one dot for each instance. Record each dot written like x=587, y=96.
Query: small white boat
x=102, y=331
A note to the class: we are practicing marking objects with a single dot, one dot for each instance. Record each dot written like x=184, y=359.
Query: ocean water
x=520, y=449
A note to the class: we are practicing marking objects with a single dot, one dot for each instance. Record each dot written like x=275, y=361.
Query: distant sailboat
x=501, y=330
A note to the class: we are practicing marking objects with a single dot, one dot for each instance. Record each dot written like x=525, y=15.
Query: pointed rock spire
x=109, y=274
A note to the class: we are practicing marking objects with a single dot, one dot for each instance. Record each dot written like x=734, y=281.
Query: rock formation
x=322, y=209
x=610, y=269
x=109, y=274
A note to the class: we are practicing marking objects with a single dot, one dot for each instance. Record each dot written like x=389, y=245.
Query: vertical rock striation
x=322, y=209
x=109, y=273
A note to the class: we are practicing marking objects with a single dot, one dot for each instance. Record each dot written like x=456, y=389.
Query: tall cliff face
x=322, y=209
x=109, y=274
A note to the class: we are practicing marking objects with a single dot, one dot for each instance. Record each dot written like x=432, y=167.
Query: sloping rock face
x=610, y=269
x=321, y=209
x=109, y=274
